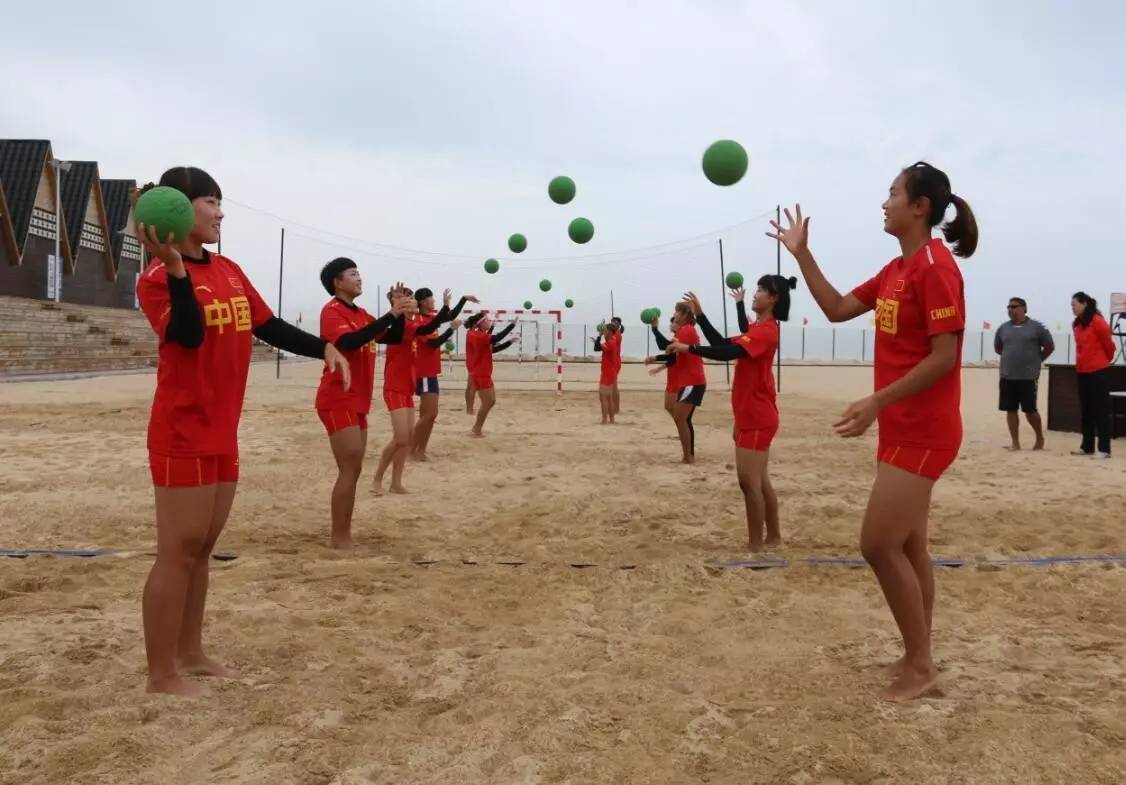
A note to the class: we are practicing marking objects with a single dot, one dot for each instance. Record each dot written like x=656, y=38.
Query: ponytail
x=961, y=233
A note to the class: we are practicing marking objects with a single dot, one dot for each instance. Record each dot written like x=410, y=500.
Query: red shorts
x=339, y=419
x=482, y=382
x=758, y=439
x=917, y=460
x=169, y=472
x=395, y=400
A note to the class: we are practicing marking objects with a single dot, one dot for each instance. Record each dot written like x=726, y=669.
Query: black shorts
x=426, y=384
x=693, y=394
x=1018, y=393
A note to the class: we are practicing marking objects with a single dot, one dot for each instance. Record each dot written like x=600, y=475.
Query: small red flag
x=985, y=325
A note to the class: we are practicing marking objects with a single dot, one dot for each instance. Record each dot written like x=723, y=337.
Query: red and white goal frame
x=502, y=313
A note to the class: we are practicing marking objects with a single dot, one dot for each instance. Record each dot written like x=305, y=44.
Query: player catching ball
x=753, y=397
x=919, y=300
x=480, y=345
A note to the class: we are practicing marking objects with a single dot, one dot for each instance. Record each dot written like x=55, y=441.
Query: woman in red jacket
x=1094, y=352
x=920, y=307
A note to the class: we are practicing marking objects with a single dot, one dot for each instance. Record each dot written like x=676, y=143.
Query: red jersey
x=1094, y=346
x=689, y=367
x=479, y=353
x=427, y=358
x=199, y=392
x=612, y=353
x=753, y=396
x=398, y=369
x=915, y=299
x=338, y=319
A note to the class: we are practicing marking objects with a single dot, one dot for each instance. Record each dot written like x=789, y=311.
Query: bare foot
x=202, y=665
x=477, y=435
x=341, y=543
x=773, y=540
x=377, y=486
x=398, y=489
x=1013, y=447
x=1039, y=445
x=910, y=683
x=755, y=547
x=178, y=686
x=421, y=457
x=688, y=459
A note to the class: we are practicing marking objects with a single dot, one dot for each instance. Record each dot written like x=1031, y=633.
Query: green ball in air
x=656, y=313
x=725, y=162
x=580, y=230
x=569, y=303
x=527, y=304
x=561, y=189
x=168, y=211
x=646, y=315
x=491, y=266
x=734, y=280
x=517, y=243
x=449, y=346
x=545, y=285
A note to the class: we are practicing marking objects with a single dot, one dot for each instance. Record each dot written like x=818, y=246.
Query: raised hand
x=446, y=298
x=693, y=303
x=166, y=251
x=796, y=235
x=456, y=324
x=738, y=294
x=469, y=298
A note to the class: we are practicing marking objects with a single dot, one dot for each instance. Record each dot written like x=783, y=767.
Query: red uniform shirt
x=689, y=367
x=1094, y=346
x=338, y=319
x=753, y=396
x=199, y=392
x=915, y=299
x=427, y=358
x=398, y=369
x=611, y=353
x=479, y=354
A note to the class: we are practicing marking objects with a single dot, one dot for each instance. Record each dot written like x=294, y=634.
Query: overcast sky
x=435, y=126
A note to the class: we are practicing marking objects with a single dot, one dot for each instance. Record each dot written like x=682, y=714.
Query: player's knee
x=875, y=550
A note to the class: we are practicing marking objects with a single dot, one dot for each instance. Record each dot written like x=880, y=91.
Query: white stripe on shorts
x=686, y=393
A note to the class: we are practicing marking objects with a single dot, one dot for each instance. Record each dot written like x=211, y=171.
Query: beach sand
x=419, y=657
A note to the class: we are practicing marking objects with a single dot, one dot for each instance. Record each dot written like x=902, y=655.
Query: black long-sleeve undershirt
x=379, y=329
x=662, y=341
x=741, y=312
x=501, y=347
x=441, y=339
x=185, y=320
x=597, y=343
x=500, y=336
x=723, y=352
x=282, y=335
x=711, y=333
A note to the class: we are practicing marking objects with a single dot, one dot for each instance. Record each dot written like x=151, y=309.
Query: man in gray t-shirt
x=1023, y=344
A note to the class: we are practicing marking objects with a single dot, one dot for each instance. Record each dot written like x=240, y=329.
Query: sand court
x=457, y=643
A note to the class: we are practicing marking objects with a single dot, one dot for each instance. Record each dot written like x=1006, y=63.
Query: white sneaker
x=1103, y=455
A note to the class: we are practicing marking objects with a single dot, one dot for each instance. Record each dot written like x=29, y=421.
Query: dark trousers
x=1094, y=409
